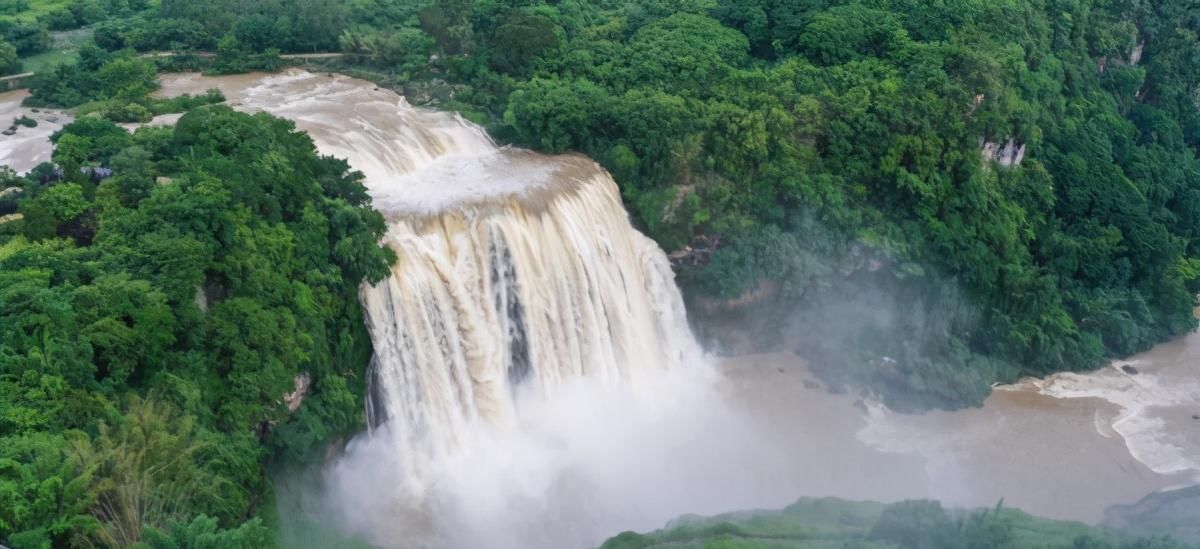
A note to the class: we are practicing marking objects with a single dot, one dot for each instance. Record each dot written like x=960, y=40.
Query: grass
x=45, y=60
x=64, y=49
x=29, y=10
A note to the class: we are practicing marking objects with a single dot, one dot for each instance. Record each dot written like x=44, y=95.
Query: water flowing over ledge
x=514, y=267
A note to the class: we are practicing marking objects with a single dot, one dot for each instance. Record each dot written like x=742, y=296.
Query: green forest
x=152, y=323
x=935, y=196
x=1015, y=183
x=830, y=523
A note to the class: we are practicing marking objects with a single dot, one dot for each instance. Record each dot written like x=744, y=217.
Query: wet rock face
x=1010, y=154
x=1135, y=56
x=294, y=399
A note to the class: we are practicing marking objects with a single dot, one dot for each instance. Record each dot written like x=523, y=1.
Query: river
x=749, y=431
x=28, y=147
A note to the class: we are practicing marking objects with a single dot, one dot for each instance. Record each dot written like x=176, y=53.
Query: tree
x=147, y=473
x=204, y=533
x=10, y=63
x=520, y=39
x=52, y=209
x=127, y=79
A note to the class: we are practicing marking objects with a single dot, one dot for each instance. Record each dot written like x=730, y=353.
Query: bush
x=920, y=524
x=10, y=63
x=61, y=19
x=186, y=102
x=128, y=112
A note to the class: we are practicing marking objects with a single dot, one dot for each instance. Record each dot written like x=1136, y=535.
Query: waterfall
x=534, y=382
x=516, y=270
x=530, y=289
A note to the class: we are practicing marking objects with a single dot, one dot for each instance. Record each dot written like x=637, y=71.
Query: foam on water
x=1157, y=404
x=29, y=146
x=1096, y=439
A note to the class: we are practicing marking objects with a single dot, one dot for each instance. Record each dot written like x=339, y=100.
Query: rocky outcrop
x=201, y=299
x=300, y=385
x=1012, y=153
x=765, y=289
x=698, y=253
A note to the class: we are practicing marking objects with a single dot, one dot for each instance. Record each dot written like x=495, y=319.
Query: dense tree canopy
x=151, y=322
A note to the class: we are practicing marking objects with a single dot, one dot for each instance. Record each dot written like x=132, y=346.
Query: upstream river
x=1068, y=446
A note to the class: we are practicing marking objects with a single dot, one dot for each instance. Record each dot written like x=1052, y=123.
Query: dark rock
x=808, y=384
x=12, y=130
x=1129, y=369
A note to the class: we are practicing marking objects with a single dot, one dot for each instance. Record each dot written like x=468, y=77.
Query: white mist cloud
x=574, y=468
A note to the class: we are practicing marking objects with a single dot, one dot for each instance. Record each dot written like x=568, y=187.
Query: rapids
x=28, y=147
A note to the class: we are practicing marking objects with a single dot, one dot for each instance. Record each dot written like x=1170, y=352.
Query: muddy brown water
x=1053, y=457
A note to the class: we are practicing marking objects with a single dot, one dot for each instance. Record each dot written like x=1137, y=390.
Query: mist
x=574, y=468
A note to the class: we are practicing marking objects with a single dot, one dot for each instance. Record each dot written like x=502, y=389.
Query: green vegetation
x=939, y=196
x=833, y=523
x=152, y=318
x=115, y=85
x=29, y=10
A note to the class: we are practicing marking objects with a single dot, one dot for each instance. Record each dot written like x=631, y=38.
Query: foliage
x=148, y=331
x=97, y=76
x=829, y=522
x=204, y=533
x=186, y=102
x=9, y=62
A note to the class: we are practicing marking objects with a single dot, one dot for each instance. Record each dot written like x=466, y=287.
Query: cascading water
x=529, y=289
x=513, y=267
x=535, y=383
